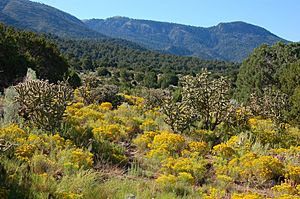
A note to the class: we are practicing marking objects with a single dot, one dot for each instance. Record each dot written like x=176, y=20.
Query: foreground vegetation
x=98, y=143
x=112, y=137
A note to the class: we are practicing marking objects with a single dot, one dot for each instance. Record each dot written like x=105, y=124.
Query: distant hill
x=79, y=44
x=226, y=41
x=39, y=17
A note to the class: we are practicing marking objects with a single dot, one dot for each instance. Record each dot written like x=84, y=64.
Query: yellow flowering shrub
x=75, y=158
x=143, y=141
x=12, y=132
x=247, y=196
x=224, y=179
x=112, y=132
x=79, y=115
x=292, y=136
x=43, y=164
x=267, y=168
x=175, y=183
x=287, y=196
x=268, y=132
x=25, y=152
x=70, y=195
x=100, y=122
x=255, y=169
x=200, y=147
x=293, y=174
x=29, y=143
x=194, y=167
x=166, y=144
x=214, y=193
x=167, y=181
x=195, y=149
x=106, y=106
x=288, y=156
x=59, y=141
x=264, y=129
x=185, y=178
x=153, y=113
x=284, y=188
x=223, y=150
x=135, y=100
x=253, y=122
x=231, y=148
x=149, y=125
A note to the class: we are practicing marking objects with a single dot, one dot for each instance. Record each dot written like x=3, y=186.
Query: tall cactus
x=271, y=104
x=43, y=104
x=203, y=99
x=208, y=98
x=179, y=115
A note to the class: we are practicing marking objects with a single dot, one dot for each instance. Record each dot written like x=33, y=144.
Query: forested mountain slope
x=227, y=41
x=38, y=17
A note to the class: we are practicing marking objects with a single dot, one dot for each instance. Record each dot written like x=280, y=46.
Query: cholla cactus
x=272, y=104
x=179, y=115
x=203, y=99
x=43, y=104
x=207, y=98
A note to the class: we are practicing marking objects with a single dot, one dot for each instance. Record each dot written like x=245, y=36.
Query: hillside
x=41, y=53
x=42, y=18
x=226, y=41
x=115, y=53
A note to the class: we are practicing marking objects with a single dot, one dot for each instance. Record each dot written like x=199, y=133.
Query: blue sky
x=281, y=17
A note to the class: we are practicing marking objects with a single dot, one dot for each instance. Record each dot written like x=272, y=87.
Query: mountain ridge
x=43, y=18
x=205, y=42
x=232, y=41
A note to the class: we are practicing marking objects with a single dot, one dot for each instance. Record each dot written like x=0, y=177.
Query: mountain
x=39, y=17
x=226, y=41
x=79, y=44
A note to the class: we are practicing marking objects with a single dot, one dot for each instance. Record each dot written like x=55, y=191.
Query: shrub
x=247, y=196
x=143, y=141
x=283, y=188
x=200, y=147
x=93, y=92
x=111, y=132
x=11, y=107
x=255, y=169
x=179, y=184
x=75, y=158
x=166, y=144
x=195, y=167
x=208, y=98
x=264, y=130
x=293, y=174
x=43, y=104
